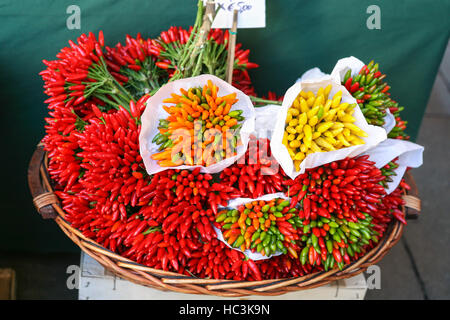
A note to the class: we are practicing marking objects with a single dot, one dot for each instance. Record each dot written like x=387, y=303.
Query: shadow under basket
x=47, y=203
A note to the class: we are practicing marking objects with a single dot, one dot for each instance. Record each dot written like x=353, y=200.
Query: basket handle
x=42, y=199
x=412, y=200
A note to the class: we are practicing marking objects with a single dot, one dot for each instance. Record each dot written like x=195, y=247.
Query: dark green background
x=299, y=35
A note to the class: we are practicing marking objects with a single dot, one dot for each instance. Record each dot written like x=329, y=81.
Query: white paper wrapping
x=233, y=204
x=389, y=121
x=313, y=73
x=280, y=152
x=342, y=66
x=154, y=111
x=265, y=120
x=409, y=155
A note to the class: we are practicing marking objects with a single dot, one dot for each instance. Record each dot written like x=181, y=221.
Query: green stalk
x=104, y=99
x=264, y=101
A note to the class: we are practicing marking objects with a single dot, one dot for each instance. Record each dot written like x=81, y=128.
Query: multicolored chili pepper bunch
x=369, y=90
x=266, y=227
x=373, y=97
x=315, y=123
x=257, y=172
x=335, y=242
x=201, y=128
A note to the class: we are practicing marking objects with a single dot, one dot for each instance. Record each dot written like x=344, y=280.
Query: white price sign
x=251, y=13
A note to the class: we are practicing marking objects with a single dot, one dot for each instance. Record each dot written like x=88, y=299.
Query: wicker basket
x=48, y=206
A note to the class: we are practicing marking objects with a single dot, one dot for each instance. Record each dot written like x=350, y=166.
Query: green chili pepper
x=347, y=75
x=278, y=214
x=267, y=240
x=255, y=236
x=304, y=255
x=235, y=113
x=259, y=247
x=285, y=203
x=329, y=245
x=355, y=233
x=263, y=235
x=222, y=217
x=239, y=241
x=320, y=112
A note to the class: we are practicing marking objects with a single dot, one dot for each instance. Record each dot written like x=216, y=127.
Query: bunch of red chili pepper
x=343, y=187
x=177, y=191
x=134, y=65
x=257, y=172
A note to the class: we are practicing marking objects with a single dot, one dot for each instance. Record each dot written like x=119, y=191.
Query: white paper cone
x=233, y=204
x=313, y=73
x=265, y=120
x=154, y=111
x=343, y=65
x=389, y=121
x=280, y=152
x=409, y=155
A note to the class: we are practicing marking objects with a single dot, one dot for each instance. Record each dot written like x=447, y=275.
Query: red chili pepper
x=404, y=185
x=354, y=87
x=337, y=255
x=254, y=269
x=348, y=83
x=307, y=208
x=162, y=65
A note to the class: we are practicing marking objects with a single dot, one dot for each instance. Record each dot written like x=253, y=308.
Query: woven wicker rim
x=165, y=280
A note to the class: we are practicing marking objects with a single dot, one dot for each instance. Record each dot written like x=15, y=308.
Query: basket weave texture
x=48, y=206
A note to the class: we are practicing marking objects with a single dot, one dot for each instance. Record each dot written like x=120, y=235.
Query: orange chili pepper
x=255, y=223
x=232, y=239
x=227, y=108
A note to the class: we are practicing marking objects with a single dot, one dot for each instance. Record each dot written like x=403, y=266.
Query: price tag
x=251, y=13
